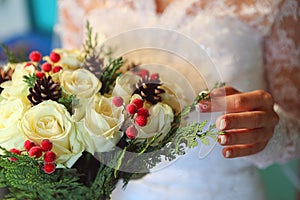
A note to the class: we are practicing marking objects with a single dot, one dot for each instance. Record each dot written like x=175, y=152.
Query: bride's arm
x=282, y=61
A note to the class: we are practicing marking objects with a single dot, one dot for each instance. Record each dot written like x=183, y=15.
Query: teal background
x=43, y=15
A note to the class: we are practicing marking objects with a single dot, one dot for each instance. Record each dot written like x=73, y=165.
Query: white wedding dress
x=232, y=36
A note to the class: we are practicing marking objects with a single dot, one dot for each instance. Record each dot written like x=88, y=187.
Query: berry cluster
x=47, y=67
x=136, y=112
x=144, y=73
x=37, y=151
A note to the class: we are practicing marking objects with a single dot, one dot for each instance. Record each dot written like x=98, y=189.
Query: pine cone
x=149, y=89
x=94, y=64
x=5, y=75
x=44, y=89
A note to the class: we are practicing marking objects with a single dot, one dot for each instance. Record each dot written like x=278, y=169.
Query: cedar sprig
x=91, y=42
x=110, y=74
x=30, y=80
x=11, y=58
x=25, y=174
x=68, y=100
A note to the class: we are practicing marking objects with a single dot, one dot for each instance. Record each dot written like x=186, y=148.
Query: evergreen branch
x=30, y=80
x=11, y=57
x=110, y=74
x=91, y=42
x=68, y=100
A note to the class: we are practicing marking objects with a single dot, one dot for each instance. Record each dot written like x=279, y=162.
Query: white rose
x=101, y=125
x=69, y=59
x=11, y=113
x=50, y=120
x=124, y=86
x=159, y=121
x=17, y=88
x=80, y=82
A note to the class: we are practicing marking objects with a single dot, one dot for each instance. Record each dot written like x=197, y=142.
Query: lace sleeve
x=282, y=61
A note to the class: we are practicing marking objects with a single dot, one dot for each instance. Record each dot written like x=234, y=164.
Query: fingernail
x=223, y=139
x=228, y=154
x=222, y=124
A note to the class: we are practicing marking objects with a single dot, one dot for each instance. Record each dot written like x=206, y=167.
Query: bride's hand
x=248, y=122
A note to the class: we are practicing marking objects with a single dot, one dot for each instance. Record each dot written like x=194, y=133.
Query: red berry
x=54, y=57
x=15, y=151
x=35, y=151
x=56, y=69
x=143, y=112
x=143, y=73
x=40, y=75
x=29, y=64
x=49, y=157
x=141, y=120
x=28, y=145
x=117, y=101
x=138, y=102
x=35, y=56
x=49, y=168
x=154, y=76
x=131, y=108
x=131, y=132
x=46, y=67
x=46, y=145
x=12, y=159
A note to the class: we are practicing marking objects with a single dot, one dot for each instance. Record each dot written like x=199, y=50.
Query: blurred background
x=28, y=25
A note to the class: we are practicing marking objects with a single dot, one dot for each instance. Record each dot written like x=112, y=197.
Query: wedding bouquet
x=74, y=123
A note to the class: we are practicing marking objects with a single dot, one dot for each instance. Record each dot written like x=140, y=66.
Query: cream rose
x=159, y=121
x=124, y=86
x=50, y=120
x=17, y=88
x=69, y=59
x=101, y=125
x=80, y=82
x=11, y=113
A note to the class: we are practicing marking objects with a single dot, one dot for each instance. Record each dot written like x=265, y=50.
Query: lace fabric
x=276, y=22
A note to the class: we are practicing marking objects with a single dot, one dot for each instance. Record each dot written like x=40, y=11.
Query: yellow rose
x=17, y=88
x=159, y=121
x=50, y=120
x=11, y=113
x=124, y=86
x=101, y=125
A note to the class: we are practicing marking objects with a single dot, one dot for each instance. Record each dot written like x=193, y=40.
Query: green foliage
x=68, y=100
x=94, y=61
x=26, y=180
x=11, y=58
x=30, y=80
x=110, y=74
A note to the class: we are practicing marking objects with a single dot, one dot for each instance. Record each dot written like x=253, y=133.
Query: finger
x=205, y=105
x=249, y=120
x=243, y=150
x=255, y=100
x=223, y=91
x=245, y=136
